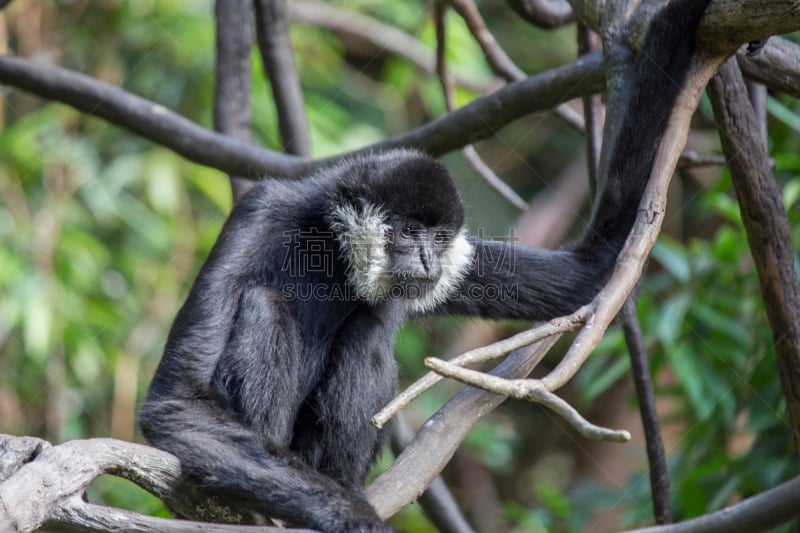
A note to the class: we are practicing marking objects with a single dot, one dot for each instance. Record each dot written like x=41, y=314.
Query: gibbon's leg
x=233, y=437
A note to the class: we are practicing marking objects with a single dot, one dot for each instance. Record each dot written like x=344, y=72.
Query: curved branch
x=766, y=224
x=531, y=391
x=145, y=118
x=478, y=120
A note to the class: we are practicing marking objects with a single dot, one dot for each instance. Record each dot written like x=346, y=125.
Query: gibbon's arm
x=506, y=281
x=517, y=282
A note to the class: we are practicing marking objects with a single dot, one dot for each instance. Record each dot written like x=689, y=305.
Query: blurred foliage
x=101, y=233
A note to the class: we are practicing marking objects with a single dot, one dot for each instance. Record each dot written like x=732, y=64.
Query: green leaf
x=670, y=321
x=672, y=256
x=783, y=113
x=685, y=364
x=38, y=324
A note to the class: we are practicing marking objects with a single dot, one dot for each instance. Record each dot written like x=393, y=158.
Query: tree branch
x=232, y=79
x=272, y=32
x=483, y=354
x=378, y=35
x=530, y=390
x=437, y=501
x=766, y=224
x=725, y=25
x=757, y=513
x=498, y=60
x=776, y=65
x=437, y=439
x=469, y=152
x=656, y=457
x=543, y=13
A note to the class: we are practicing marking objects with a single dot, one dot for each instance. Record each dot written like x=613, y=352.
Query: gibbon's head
x=400, y=221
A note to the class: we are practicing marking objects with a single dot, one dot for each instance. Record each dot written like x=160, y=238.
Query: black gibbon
x=282, y=351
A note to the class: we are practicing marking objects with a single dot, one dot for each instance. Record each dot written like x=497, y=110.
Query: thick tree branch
x=776, y=65
x=437, y=501
x=725, y=25
x=766, y=224
x=272, y=33
x=59, y=475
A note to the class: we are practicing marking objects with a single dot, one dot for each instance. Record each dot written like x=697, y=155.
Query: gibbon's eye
x=440, y=237
x=405, y=232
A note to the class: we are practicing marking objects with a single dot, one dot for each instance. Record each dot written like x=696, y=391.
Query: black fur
x=274, y=366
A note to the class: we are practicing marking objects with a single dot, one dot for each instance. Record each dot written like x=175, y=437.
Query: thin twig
x=493, y=180
x=483, y=354
x=640, y=371
x=272, y=32
x=498, y=60
x=691, y=159
x=523, y=389
x=382, y=37
x=470, y=154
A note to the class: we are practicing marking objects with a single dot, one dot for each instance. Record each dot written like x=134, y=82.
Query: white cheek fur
x=362, y=234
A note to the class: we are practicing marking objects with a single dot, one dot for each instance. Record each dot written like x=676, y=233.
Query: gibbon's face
x=398, y=258
x=402, y=233
x=415, y=256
